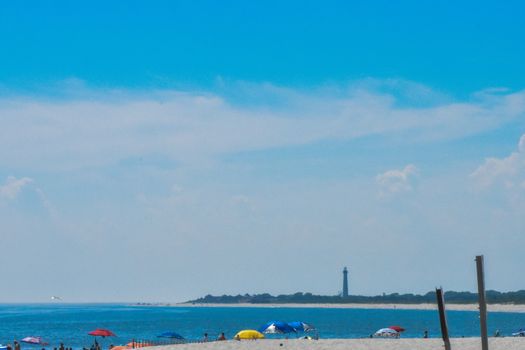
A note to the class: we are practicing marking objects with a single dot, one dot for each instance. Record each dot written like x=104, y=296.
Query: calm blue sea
x=70, y=323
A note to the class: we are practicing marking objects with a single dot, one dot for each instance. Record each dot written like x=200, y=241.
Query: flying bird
x=54, y=297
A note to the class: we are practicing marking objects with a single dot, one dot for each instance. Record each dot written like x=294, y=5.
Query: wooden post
x=442, y=317
x=482, y=303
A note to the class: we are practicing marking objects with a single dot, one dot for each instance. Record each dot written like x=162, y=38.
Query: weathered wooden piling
x=442, y=317
x=482, y=303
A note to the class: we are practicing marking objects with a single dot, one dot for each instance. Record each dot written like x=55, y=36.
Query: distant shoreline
x=452, y=307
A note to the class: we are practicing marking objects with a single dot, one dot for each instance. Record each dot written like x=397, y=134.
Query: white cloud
x=101, y=127
x=46, y=203
x=508, y=171
x=246, y=204
x=396, y=181
x=13, y=186
x=521, y=144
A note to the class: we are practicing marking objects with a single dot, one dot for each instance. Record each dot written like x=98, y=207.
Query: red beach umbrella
x=102, y=333
x=397, y=328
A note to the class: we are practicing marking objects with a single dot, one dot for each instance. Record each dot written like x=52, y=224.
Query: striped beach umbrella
x=34, y=340
x=276, y=327
x=300, y=326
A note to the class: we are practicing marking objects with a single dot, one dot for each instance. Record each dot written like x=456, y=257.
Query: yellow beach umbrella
x=249, y=334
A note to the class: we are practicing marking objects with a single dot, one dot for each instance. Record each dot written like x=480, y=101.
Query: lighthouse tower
x=345, y=282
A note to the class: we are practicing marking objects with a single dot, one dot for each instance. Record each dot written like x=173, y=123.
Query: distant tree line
x=493, y=297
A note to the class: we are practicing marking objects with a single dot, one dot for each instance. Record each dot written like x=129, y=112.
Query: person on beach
x=222, y=336
x=205, y=338
x=61, y=347
x=425, y=334
x=17, y=345
x=8, y=347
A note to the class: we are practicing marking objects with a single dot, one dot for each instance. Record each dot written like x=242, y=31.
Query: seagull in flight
x=54, y=297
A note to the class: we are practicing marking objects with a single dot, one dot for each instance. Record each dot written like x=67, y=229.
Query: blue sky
x=206, y=139
x=457, y=48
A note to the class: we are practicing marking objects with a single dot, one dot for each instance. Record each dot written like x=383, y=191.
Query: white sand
x=461, y=307
x=510, y=343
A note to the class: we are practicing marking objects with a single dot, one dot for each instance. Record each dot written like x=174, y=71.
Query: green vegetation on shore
x=493, y=297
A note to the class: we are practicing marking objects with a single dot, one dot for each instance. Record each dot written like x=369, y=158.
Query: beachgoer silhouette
x=221, y=337
x=425, y=334
x=205, y=338
x=17, y=345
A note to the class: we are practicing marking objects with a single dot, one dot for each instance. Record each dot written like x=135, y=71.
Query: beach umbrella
x=248, y=334
x=300, y=326
x=386, y=333
x=397, y=328
x=102, y=333
x=520, y=333
x=274, y=327
x=34, y=340
x=171, y=335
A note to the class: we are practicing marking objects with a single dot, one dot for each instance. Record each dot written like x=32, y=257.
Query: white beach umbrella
x=387, y=333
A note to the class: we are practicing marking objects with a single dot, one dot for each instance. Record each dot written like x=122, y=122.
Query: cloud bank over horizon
x=380, y=175
x=94, y=128
x=508, y=171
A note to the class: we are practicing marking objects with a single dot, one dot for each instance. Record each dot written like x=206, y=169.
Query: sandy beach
x=510, y=343
x=458, y=307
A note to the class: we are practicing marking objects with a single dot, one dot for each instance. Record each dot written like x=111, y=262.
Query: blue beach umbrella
x=520, y=333
x=300, y=326
x=171, y=335
x=274, y=327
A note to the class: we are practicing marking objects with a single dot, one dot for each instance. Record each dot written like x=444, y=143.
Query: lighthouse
x=345, y=282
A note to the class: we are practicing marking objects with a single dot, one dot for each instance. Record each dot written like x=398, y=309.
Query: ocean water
x=70, y=323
